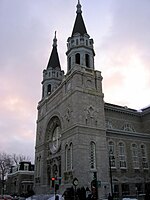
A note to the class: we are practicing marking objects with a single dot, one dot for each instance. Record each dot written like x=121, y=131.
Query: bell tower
x=80, y=46
x=53, y=75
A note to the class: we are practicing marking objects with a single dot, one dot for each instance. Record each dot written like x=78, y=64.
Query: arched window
x=49, y=89
x=66, y=157
x=38, y=167
x=69, y=157
x=128, y=127
x=144, y=157
x=77, y=58
x=43, y=91
x=87, y=60
x=122, y=156
x=135, y=157
x=92, y=155
x=55, y=170
x=77, y=42
x=69, y=63
x=111, y=148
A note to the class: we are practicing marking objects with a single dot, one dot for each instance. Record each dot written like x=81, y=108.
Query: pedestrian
x=110, y=197
x=88, y=193
x=56, y=197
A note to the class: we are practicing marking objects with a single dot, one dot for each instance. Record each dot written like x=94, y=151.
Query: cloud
x=126, y=49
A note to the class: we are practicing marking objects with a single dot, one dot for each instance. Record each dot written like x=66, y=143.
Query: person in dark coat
x=110, y=197
x=56, y=197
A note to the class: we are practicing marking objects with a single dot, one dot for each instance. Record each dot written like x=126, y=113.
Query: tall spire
x=79, y=26
x=54, y=58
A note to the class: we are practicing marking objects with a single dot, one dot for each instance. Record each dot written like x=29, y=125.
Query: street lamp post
x=75, y=183
x=94, y=186
x=55, y=187
x=111, y=157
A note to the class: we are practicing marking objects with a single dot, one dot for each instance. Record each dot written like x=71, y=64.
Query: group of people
x=82, y=194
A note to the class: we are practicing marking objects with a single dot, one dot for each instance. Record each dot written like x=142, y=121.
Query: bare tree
x=5, y=164
x=8, y=160
x=19, y=158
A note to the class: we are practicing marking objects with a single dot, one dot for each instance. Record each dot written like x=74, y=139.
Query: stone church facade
x=79, y=135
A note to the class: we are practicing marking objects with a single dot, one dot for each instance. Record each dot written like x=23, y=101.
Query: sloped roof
x=79, y=26
x=54, y=59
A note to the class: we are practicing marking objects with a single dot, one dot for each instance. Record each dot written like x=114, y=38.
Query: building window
x=38, y=166
x=26, y=167
x=128, y=127
x=77, y=58
x=77, y=42
x=109, y=125
x=135, y=157
x=69, y=157
x=49, y=89
x=69, y=63
x=53, y=73
x=125, y=189
x=87, y=60
x=111, y=148
x=122, y=156
x=43, y=91
x=66, y=156
x=92, y=155
x=144, y=157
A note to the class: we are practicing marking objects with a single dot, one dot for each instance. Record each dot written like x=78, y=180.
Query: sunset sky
x=121, y=33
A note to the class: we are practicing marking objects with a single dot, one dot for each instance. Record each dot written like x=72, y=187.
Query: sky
x=121, y=33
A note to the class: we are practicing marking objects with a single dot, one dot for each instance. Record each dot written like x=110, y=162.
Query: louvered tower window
x=77, y=58
x=69, y=63
x=87, y=60
x=49, y=89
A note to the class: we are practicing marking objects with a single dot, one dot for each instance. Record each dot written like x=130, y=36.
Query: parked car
x=1, y=197
x=129, y=198
x=6, y=197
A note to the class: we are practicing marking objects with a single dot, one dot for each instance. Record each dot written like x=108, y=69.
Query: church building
x=81, y=136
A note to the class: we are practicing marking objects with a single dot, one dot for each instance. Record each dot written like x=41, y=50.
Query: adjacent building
x=20, y=179
x=81, y=136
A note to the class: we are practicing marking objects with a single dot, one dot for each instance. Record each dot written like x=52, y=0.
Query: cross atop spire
x=55, y=40
x=79, y=7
